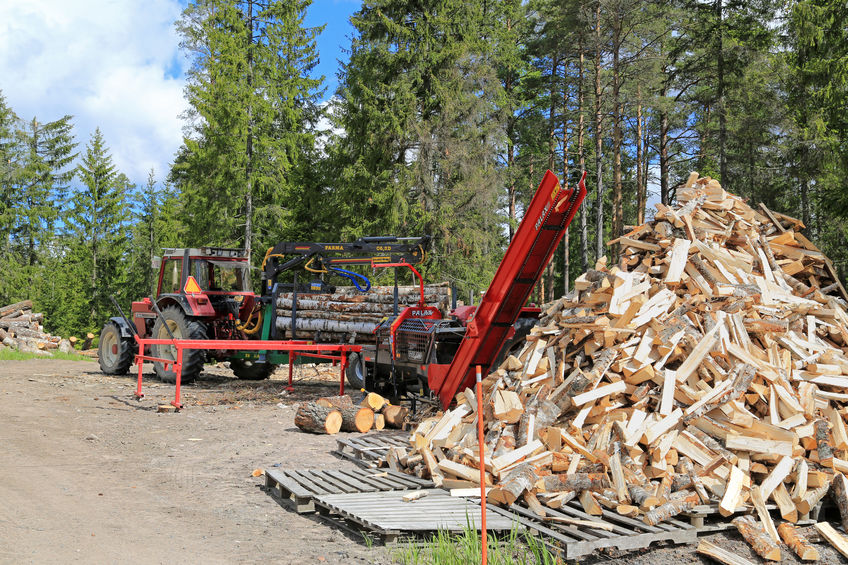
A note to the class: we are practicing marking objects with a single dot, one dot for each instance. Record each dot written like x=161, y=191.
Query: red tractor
x=202, y=294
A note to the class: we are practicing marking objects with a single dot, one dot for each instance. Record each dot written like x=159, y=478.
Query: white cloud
x=113, y=64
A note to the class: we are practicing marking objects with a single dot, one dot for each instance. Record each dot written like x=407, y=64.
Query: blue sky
x=116, y=64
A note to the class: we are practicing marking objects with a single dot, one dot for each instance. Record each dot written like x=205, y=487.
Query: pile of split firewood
x=349, y=313
x=334, y=413
x=21, y=329
x=709, y=367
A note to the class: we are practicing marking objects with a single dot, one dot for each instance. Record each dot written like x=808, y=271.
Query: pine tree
x=252, y=108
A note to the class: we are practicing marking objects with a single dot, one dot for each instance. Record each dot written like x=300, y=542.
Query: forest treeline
x=446, y=116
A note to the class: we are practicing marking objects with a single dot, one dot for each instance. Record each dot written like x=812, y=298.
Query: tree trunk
x=581, y=155
x=316, y=419
x=617, y=206
x=641, y=194
x=248, y=170
x=722, y=113
x=665, y=197
x=599, y=196
x=566, y=251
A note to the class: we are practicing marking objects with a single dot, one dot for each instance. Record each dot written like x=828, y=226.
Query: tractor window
x=220, y=276
x=171, y=275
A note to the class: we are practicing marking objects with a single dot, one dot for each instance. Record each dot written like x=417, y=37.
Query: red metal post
x=292, y=356
x=140, y=362
x=178, y=370
x=342, y=376
x=480, y=443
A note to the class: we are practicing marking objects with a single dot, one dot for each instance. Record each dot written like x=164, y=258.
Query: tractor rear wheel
x=182, y=327
x=114, y=352
x=251, y=370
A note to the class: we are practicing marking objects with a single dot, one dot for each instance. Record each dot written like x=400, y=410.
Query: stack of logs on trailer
x=348, y=312
x=709, y=367
x=21, y=329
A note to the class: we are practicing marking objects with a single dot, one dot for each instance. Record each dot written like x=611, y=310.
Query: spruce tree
x=418, y=105
x=252, y=105
x=96, y=231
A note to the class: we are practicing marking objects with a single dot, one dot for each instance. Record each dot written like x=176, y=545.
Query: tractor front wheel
x=251, y=370
x=182, y=327
x=114, y=352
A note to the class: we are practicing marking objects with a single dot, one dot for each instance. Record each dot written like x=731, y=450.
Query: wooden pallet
x=574, y=541
x=370, y=450
x=706, y=518
x=301, y=487
x=389, y=517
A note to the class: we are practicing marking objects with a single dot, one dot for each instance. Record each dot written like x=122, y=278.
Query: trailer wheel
x=354, y=373
x=182, y=327
x=251, y=370
x=114, y=352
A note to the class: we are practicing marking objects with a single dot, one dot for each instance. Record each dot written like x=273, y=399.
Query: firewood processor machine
x=418, y=351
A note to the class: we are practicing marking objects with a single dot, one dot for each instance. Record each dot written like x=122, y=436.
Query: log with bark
x=357, y=419
x=311, y=417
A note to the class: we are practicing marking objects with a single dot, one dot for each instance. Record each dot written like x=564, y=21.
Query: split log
x=812, y=498
x=379, y=422
x=357, y=419
x=797, y=542
x=720, y=554
x=834, y=538
x=395, y=415
x=824, y=442
x=317, y=419
x=335, y=402
x=642, y=498
x=757, y=538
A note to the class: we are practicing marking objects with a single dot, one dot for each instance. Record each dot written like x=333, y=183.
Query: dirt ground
x=88, y=474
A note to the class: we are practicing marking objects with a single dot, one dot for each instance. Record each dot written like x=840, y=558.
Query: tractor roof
x=206, y=252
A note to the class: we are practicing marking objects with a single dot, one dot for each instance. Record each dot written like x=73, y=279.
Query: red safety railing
x=329, y=351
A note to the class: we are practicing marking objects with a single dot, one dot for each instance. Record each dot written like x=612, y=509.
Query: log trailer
x=204, y=294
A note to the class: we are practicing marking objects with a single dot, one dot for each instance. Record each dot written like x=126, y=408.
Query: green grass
x=446, y=548
x=12, y=355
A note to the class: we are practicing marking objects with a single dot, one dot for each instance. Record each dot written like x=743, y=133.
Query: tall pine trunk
x=566, y=251
x=617, y=206
x=640, y=185
x=599, y=196
x=722, y=113
x=549, y=270
x=581, y=155
x=248, y=171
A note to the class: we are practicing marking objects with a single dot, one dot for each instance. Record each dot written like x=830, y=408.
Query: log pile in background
x=709, y=367
x=338, y=316
x=21, y=329
x=333, y=413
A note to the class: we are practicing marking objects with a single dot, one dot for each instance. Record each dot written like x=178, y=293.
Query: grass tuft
x=445, y=548
x=12, y=355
